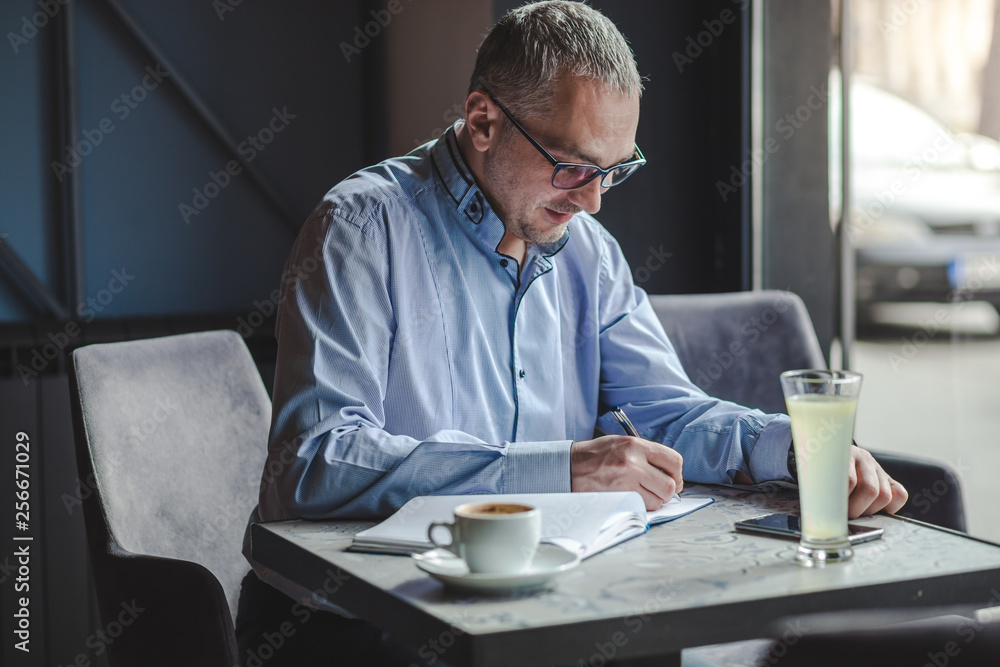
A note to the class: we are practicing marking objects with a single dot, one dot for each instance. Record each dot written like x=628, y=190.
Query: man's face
x=588, y=124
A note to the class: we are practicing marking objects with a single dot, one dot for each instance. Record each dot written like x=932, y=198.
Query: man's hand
x=870, y=489
x=624, y=463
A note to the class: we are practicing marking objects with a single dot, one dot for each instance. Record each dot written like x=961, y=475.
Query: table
x=690, y=582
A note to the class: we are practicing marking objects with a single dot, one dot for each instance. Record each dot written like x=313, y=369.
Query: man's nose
x=588, y=197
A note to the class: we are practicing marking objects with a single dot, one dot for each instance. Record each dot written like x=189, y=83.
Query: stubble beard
x=504, y=176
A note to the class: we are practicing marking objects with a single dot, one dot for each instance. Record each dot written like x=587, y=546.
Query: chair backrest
x=175, y=429
x=735, y=345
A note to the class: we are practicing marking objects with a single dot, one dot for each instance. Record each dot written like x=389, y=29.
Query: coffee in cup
x=492, y=537
x=499, y=508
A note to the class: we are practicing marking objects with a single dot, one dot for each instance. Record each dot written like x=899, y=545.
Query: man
x=456, y=321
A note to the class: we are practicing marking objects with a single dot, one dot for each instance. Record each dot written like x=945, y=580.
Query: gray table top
x=689, y=582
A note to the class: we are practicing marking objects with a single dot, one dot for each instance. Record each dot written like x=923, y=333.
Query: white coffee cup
x=492, y=537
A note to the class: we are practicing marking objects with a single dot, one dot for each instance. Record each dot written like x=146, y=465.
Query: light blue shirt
x=415, y=359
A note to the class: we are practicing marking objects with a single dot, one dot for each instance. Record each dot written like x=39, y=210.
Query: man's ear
x=482, y=120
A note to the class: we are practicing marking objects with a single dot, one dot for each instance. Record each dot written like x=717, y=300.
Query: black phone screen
x=788, y=525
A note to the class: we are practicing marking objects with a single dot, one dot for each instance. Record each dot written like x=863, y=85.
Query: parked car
x=925, y=205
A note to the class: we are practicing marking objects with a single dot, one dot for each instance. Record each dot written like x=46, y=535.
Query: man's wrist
x=793, y=470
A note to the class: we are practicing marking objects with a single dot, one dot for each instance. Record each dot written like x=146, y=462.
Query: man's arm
x=330, y=455
x=719, y=441
x=640, y=372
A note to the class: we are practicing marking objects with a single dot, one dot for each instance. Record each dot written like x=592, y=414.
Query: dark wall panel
x=27, y=215
x=135, y=181
x=799, y=246
x=269, y=71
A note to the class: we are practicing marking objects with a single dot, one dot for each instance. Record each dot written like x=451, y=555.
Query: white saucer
x=445, y=566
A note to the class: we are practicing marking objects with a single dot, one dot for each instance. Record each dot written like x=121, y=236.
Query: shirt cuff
x=769, y=456
x=538, y=467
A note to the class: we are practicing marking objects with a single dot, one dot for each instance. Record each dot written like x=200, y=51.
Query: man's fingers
x=861, y=499
x=625, y=463
x=652, y=500
x=866, y=487
x=852, y=474
x=668, y=461
x=659, y=483
x=870, y=488
x=884, y=494
x=899, y=497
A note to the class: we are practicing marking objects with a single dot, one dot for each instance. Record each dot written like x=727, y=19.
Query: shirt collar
x=458, y=179
x=470, y=203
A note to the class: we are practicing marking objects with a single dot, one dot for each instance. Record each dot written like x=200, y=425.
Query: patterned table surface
x=695, y=580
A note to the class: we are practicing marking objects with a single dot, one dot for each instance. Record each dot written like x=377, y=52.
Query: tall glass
x=822, y=405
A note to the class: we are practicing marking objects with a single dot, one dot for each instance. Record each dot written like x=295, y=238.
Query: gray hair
x=531, y=47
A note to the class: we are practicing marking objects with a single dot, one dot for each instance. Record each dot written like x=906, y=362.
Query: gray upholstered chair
x=735, y=345
x=873, y=639
x=169, y=438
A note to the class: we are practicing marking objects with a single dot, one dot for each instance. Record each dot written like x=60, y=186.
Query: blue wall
x=148, y=152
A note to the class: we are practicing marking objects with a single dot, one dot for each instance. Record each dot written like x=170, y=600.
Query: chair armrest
x=934, y=487
x=877, y=638
x=163, y=597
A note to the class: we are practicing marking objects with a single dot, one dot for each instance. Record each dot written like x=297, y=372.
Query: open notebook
x=584, y=523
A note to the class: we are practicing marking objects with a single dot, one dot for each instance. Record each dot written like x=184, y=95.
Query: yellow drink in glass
x=822, y=406
x=822, y=429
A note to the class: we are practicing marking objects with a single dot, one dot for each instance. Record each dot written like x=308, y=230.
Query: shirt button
x=520, y=374
x=474, y=207
x=503, y=263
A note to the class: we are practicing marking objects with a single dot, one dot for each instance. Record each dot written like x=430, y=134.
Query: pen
x=627, y=426
x=625, y=422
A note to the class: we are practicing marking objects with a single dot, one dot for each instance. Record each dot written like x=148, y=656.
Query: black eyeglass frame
x=558, y=166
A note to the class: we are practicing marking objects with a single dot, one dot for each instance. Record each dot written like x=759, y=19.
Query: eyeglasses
x=570, y=175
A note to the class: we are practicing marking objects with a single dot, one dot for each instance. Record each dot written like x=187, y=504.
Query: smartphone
x=787, y=525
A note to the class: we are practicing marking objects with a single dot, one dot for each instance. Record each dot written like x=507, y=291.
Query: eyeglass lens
x=569, y=176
